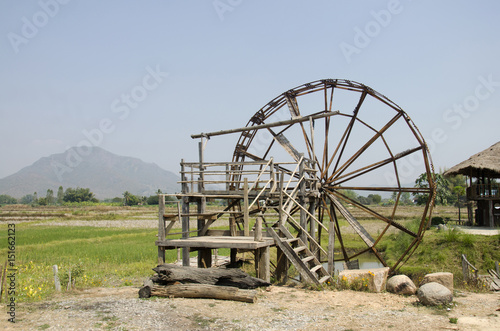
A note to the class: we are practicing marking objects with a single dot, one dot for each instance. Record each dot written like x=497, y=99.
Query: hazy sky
x=139, y=77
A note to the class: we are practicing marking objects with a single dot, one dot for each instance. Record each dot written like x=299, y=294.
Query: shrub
x=451, y=235
x=436, y=220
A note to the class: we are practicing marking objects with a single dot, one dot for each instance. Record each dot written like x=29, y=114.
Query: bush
x=436, y=220
x=452, y=235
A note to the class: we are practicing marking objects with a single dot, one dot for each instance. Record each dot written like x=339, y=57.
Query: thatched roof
x=485, y=163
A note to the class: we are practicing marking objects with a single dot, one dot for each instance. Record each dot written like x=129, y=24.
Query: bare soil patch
x=278, y=308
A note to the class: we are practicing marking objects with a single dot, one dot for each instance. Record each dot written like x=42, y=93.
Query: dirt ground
x=277, y=308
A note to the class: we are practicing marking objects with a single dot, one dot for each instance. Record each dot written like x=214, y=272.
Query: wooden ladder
x=297, y=252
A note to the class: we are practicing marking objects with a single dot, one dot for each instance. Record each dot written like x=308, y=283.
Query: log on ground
x=202, y=291
x=170, y=274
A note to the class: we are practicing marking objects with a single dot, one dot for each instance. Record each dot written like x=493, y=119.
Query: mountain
x=106, y=174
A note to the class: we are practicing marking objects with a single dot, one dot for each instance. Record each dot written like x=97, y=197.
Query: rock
x=443, y=278
x=433, y=294
x=442, y=227
x=375, y=278
x=401, y=284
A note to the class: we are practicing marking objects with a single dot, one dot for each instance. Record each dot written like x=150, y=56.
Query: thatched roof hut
x=485, y=163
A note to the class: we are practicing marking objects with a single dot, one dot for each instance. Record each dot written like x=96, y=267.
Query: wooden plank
x=218, y=242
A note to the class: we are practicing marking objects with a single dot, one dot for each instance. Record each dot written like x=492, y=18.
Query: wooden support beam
x=258, y=229
x=204, y=258
x=331, y=247
x=265, y=126
x=282, y=265
x=262, y=263
x=161, y=228
x=246, y=224
x=302, y=191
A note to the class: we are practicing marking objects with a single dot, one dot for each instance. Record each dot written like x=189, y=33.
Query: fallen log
x=168, y=274
x=199, y=291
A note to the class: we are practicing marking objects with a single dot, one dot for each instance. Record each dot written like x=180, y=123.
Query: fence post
x=465, y=268
x=57, y=283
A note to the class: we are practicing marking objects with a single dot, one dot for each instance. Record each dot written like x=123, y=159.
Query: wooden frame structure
x=300, y=205
x=482, y=169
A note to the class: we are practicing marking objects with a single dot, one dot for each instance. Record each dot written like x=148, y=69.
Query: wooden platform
x=238, y=242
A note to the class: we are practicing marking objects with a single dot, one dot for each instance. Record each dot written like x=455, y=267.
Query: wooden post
x=497, y=268
x=185, y=231
x=201, y=183
x=204, y=254
x=272, y=175
x=490, y=214
x=161, y=228
x=312, y=226
x=69, y=280
x=280, y=211
x=246, y=225
x=262, y=262
x=185, y=219
x=331, y=247
x=282, y=265
x=233, y=256
x=258, y=229
x=232, y=226
x=204, y=258
x=57, y=283
x=302, y=191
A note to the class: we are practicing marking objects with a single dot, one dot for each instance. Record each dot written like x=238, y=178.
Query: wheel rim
x=366, y=146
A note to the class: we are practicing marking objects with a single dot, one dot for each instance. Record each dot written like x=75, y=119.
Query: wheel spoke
x=357, y=227
x=373, y=213
x=356, y=173
x=287, y=145
x=293, y=107
x=347, y=133
x=416, y=190
x=365, y=147
x=333, y=216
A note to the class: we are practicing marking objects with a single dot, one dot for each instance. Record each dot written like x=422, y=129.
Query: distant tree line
x=78, y=195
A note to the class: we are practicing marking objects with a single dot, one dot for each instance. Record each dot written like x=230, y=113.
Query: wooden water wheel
x=359, y=144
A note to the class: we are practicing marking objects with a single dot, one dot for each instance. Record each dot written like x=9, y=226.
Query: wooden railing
x=483, y=191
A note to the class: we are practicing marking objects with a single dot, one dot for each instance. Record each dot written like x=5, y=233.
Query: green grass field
x=96, y=256
x=103, y=256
